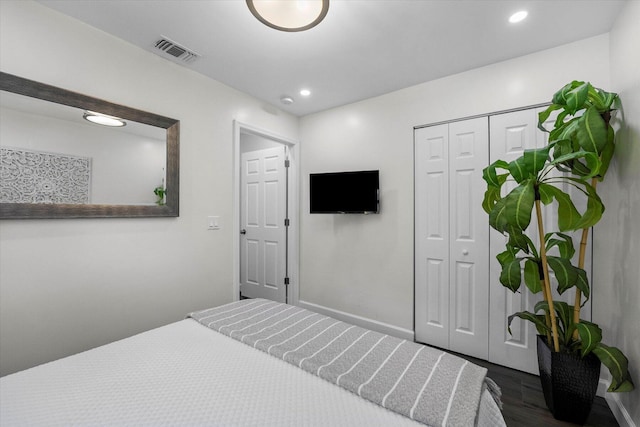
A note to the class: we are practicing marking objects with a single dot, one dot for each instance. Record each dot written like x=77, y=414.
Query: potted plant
x=160, y=193
x=581, y=145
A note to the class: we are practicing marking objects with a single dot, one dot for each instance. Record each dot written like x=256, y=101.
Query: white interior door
x=262, y=224
x=432, y=235
x=469, y=234
x=451, y=285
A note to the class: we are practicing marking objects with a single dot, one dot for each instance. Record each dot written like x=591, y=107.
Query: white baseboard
x=364, y=322
x=618, y=409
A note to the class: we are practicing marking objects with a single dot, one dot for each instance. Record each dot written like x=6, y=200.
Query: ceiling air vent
x=175, y=50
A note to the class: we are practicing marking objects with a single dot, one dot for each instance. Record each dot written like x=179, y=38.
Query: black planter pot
x=569, y=382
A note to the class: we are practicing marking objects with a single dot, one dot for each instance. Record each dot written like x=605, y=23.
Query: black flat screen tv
x=344, y=192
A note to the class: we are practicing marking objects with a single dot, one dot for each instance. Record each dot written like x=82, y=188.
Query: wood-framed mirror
x=56, y=164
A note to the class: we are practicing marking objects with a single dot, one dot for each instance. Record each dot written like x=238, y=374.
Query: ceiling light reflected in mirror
x=103, y=119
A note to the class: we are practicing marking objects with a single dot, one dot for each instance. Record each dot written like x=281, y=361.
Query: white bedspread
x=168, y=376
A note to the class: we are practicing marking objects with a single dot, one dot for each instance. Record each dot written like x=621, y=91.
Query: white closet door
x=468, y=236
x=511, y=134
x=451, y=290
x=432, y=235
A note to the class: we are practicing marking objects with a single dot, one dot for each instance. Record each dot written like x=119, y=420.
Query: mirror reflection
x=55, y=163
x=51, y=154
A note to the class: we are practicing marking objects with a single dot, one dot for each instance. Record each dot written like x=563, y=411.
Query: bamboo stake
x=547, y=285
x=581, y=259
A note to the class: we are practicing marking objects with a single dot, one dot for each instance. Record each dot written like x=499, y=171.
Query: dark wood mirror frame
x=18, y=85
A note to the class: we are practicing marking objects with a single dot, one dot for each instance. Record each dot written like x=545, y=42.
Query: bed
x=253, y=363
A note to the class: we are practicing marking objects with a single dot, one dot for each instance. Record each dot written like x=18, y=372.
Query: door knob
x=465, y=252
x=243, y=231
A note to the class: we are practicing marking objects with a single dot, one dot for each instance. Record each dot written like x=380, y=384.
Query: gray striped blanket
x=417, y=381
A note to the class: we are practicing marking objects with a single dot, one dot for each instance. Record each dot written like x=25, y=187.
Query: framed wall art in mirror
x=68, y=155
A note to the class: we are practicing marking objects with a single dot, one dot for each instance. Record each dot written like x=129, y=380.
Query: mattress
x=185, y=374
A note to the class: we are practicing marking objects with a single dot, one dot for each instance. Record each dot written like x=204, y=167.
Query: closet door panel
x=469, y=230
x=432, y=236
x=511, y=134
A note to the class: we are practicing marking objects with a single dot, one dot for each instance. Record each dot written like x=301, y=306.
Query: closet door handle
x=243, y=231
x=465, y=252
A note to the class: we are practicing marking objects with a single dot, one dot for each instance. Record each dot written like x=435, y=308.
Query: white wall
x=363, y=265
x=617, y=236
x=69, y=285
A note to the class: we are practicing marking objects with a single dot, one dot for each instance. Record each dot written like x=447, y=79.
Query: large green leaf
x=519, y=240
x=592, y=131
x=617, y=363
x=510, y=275
x=565, y=131
x=537, y=320
x=544, y=115
x=592, y=214
x=590, y=336
x=564, y=244
x=568, y=215
x=491, y=197
x=536, y=159
x=595, y=207
x=601, y=99
x=514, y=209
x=590, y=168
x=565, y=273
x=607, y=153
x=561, y=148
x=490, y=173
x=506, y=257
x=532, y=276
x=608, y=99
x=564, y=318
x=576, y=97
x=498, y=215
x=561, y=96
x=545, y=193
x=582, y=283
x=518, y=170
x=519, y=204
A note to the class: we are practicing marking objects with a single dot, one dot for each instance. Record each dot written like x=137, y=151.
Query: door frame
x=240, y=128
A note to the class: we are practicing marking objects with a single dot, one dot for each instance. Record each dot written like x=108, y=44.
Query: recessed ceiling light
x=103, y=119
x=305, y=92
x=518, y=16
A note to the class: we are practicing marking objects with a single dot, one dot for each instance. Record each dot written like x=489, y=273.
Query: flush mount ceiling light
x=103, y=119
x=305, y=92
x=518, y=16
x=289, y=15
x=286, y=100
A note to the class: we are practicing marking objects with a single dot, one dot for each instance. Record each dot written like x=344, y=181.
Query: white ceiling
x=363, y=48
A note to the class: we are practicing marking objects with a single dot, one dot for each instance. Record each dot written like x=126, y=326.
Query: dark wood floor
x=523, y=402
